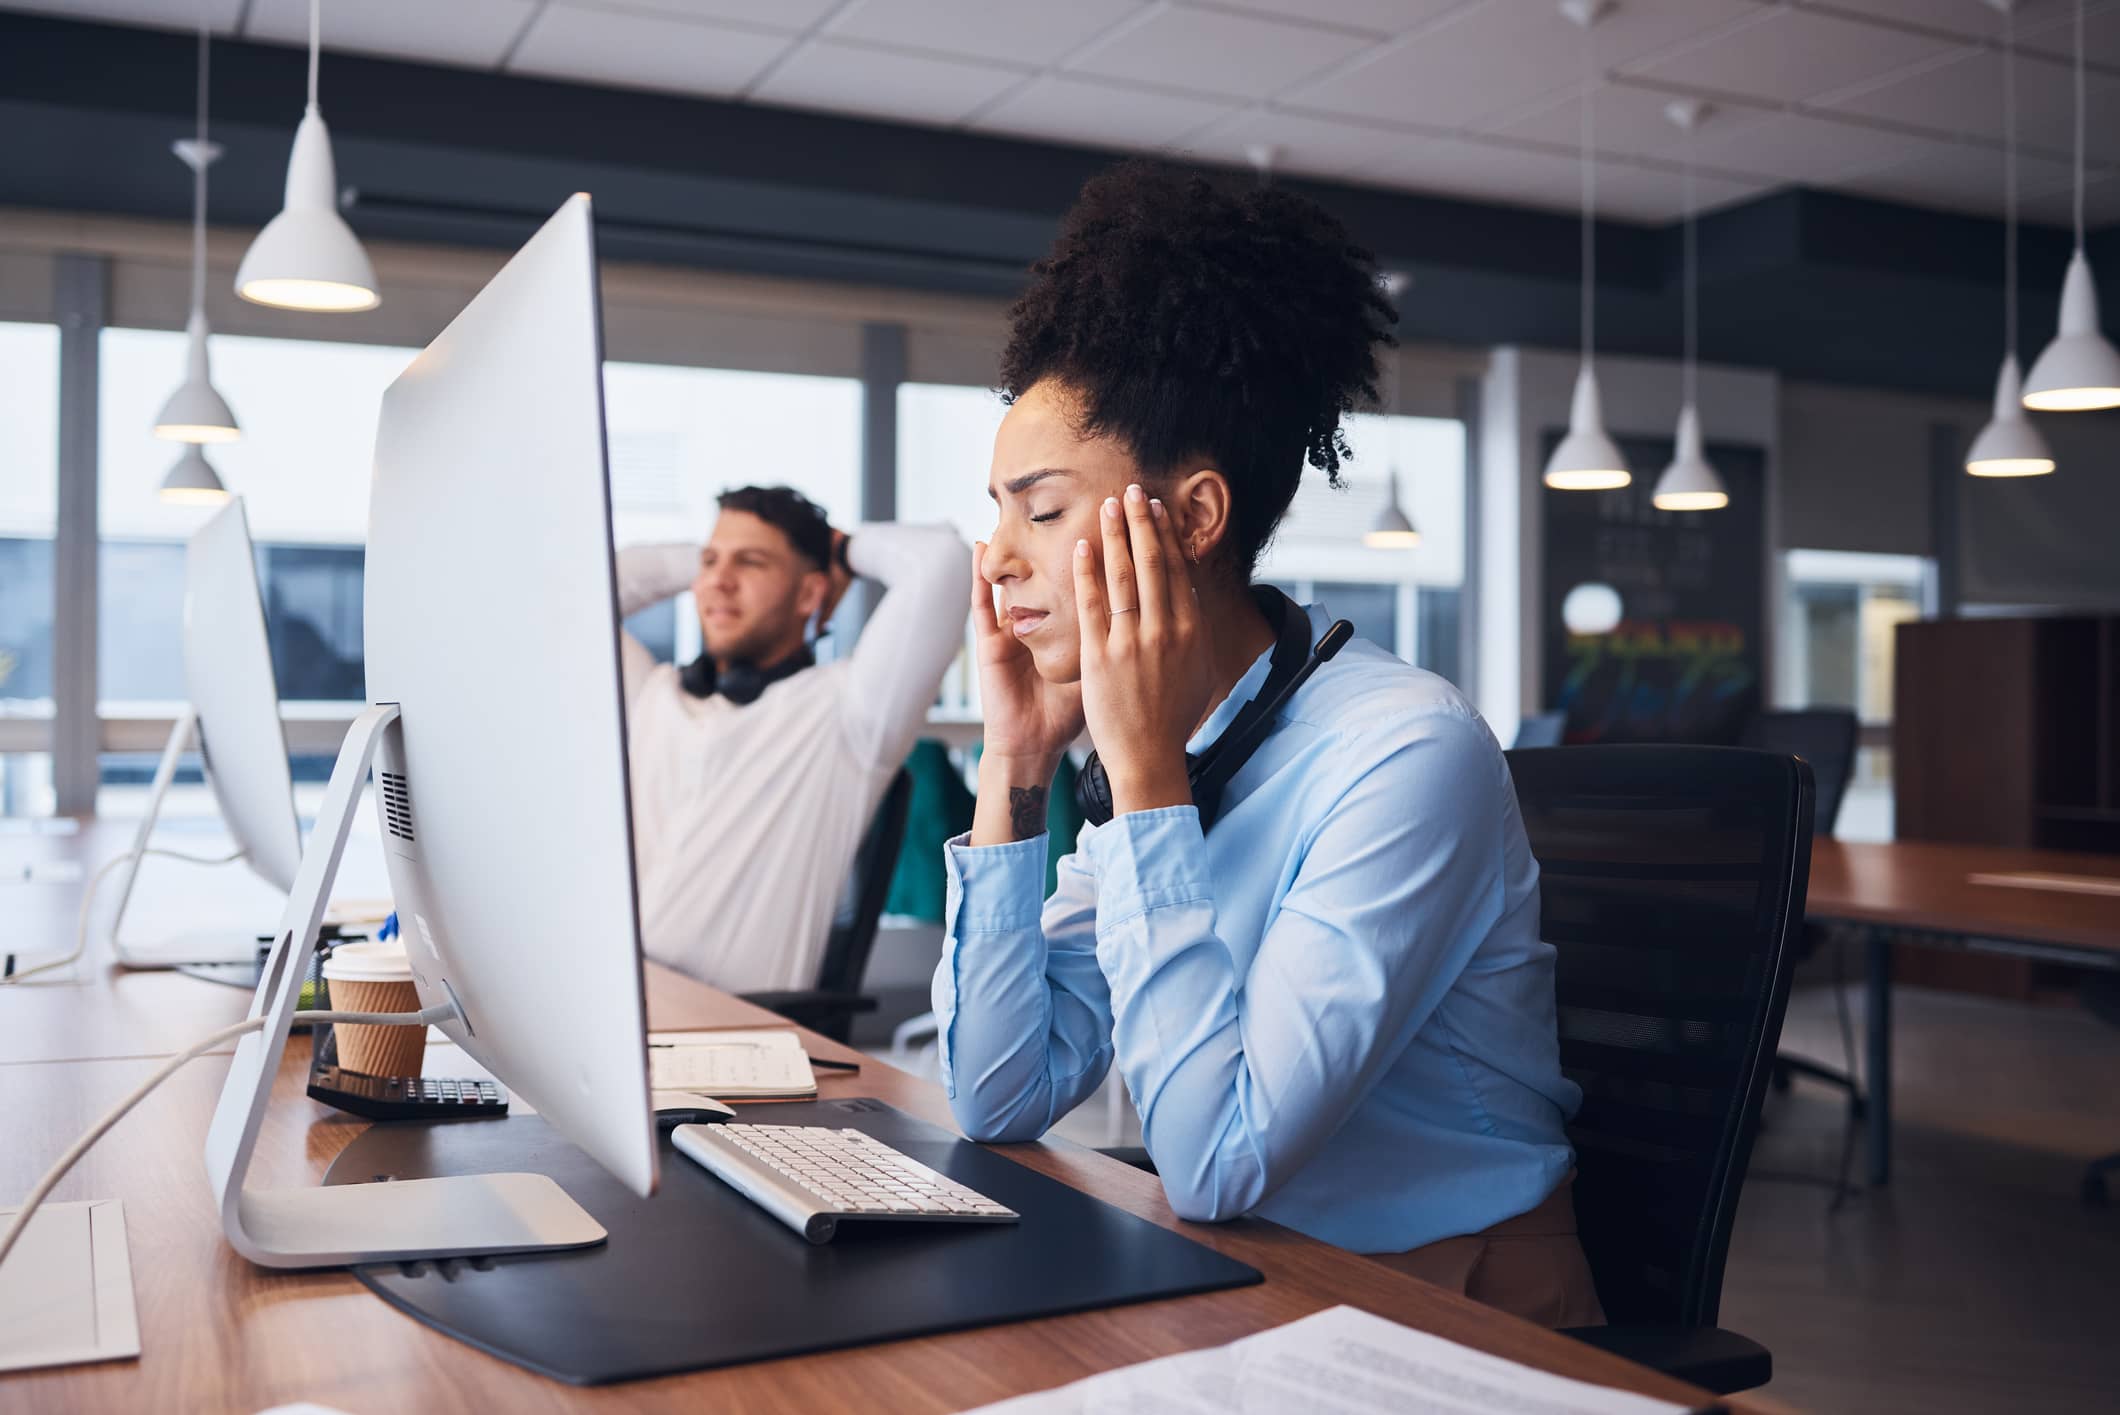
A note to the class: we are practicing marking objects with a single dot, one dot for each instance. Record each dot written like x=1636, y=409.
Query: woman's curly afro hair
x=1204, y=328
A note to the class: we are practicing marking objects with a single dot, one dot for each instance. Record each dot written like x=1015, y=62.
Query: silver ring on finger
x=1115, y=613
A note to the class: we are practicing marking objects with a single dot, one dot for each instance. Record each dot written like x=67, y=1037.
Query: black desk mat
x=698, y=1276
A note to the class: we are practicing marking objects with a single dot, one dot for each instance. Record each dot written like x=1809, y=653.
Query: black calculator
x=406, y=1097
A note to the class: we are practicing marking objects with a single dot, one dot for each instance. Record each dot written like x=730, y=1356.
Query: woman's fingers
x=1122, y=590
x=984, y=618
x=1177, y=571
x=1146, y=548
x=1090, y=613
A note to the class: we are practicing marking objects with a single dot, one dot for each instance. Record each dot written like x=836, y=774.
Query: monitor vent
x=397, y=806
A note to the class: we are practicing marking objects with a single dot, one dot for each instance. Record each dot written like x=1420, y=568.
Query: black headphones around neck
x=1294, y=660
x=743, y=681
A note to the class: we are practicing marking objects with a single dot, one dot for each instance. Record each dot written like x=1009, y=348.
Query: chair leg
x=2094, y=1190
x=1801, y=1066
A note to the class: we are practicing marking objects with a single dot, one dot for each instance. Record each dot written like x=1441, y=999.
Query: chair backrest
x=1541, y=729
x=1824, y=737
x=846, y=950
x=1671, y=883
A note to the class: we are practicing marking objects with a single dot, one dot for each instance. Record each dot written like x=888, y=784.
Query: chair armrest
x=1717, y=1360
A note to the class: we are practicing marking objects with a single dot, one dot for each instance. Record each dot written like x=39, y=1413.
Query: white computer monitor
x=499, y=749
x=234, y=717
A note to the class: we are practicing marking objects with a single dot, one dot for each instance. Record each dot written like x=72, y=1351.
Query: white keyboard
x=811, y=1176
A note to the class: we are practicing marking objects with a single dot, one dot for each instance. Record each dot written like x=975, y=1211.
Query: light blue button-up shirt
x=1334, y=1011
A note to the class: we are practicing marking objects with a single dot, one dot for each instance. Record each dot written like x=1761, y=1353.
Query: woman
x=1329, y=1000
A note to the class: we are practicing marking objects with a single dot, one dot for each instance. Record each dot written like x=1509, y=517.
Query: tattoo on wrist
x=1026, y=811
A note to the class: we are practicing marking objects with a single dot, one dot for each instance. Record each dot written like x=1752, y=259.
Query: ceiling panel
x=1631, y=121
x=221, y=15
x=1966, y=180
x=1313, y=147
x=1964, y=96
x=1497, y=58
x=1970, y=19
x=1376, y=16
x=1798, y=148
x=883, y=83
x=1785, y=56
x=2049, y=26
x=1019, y=32
x=1212, y=51
x=2101, y=205
x=643, y=51
x=474, y=33
x=1065, y=109
x=785, y=15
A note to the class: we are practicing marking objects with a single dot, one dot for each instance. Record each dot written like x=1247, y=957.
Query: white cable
x=316, y=29
x=88, y=901
x=116, y=1113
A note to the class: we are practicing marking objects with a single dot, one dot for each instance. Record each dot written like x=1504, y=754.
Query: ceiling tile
x=1630, y=121
x=1798, y=148
x=1966, y=18
x=1312, y=147
x=788, y=16
x=1496, y=58
x=883, y=83
x=1642, y=194
x=474, y=33
x=1212, y=51
x=1376, y=16
x=641, y=51
x=1481, y=171
x=2051, y=29
x=221, y=15
x=1956, y=179
x=1063, y=109
x=1785, y=56
x=1963, y=96
x=1021, y=32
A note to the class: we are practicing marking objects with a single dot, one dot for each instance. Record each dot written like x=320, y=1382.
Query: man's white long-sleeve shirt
x=746, y=818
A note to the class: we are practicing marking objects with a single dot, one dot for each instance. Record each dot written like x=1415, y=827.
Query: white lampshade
x=194, y=480
x=2009, y=446
x=307, y=257
x=196, y=412
x=1586, y=459
x=1392, y=530
x=1689, y=483
x=2080, y=370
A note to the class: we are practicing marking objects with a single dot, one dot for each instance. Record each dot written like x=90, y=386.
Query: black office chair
x=1826, y=738
x=1541, y=729
x=832, y=1005
x=1671, y=885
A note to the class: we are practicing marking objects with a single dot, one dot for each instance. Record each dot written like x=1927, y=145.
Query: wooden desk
x=1930, y=894
x=219, y=1335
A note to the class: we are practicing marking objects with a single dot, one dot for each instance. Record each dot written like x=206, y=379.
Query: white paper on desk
x=66, y=1292
x=1341, y=1361
x=731, y=1065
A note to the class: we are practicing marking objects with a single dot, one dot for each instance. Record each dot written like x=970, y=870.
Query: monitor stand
x=223, y=946
x=356, y=1223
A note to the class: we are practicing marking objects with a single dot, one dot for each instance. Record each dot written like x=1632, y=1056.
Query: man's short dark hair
x=797, y=517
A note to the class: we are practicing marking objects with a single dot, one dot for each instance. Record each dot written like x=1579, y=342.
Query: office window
x=29, y=507
x=682, y=436
x=1840, y=611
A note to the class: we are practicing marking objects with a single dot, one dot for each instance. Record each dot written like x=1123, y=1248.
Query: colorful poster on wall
x=1671, y=643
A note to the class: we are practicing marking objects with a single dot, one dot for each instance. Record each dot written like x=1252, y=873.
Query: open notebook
x=758, y=1065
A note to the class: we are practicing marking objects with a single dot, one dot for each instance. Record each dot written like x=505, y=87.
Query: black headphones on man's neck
x=1294, y=660
x=743, y=681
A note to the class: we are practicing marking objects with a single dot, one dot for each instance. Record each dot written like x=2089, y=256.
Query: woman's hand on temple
x=1145, y=668
x=1029, y=724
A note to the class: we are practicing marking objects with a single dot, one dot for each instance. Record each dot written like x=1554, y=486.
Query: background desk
x=219, y=1335
x=1923, y=893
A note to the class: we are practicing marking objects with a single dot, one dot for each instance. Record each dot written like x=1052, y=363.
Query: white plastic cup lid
x=368, y=963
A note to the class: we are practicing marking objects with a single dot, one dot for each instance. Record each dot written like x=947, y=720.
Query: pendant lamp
x=307, y=257
x=193, y=480
x=2080, y=370
x=1690, y=483
x=1392, y=530
x=2009, y=446
x=197, y=412
x=1586, y=459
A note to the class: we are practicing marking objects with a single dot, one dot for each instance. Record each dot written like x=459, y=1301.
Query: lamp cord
x=2079, y=126
x=198, y=176
x=316, y=25
x=1589, y=237
x=2009, y=181
x=1692, y=277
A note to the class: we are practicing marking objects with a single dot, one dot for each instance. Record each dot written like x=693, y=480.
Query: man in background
x=755, y=769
